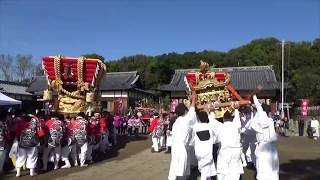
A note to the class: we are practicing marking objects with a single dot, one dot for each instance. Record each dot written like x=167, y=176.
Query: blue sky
x=117, y=28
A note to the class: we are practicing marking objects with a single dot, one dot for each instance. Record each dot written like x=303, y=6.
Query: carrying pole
x=282, y=80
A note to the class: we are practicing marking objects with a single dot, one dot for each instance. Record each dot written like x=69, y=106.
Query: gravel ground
x=132, y=160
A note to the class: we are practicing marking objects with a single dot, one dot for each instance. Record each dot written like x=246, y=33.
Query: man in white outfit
x=315, y=128
x=267, y=161
x=181, y=132
x=204, y=138
x=229, y=164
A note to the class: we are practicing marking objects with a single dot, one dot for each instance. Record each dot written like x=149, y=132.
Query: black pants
x=136, y=131
x=129, y=130
x=123, y=130
x=144, y=129
x=301, y=128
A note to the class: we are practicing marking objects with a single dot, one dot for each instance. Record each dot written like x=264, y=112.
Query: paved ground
x=299, y=157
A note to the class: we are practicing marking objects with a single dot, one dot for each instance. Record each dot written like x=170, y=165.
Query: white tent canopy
x=5, y=100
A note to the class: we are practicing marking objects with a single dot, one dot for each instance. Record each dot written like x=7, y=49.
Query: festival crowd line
x=34, y=141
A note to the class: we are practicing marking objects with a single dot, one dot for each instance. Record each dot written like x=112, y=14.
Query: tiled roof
x=13, y=88
x=119, y=80
x=111, y=81
x=39, y=83
x=242, y=78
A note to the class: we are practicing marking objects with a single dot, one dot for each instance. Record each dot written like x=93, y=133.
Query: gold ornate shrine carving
x=75, y=79
x=214, y=87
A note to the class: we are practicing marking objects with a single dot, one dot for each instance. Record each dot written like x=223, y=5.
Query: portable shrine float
x=214, y=87
x=76, y=80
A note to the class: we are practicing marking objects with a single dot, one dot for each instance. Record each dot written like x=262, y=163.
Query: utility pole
x=282, y=79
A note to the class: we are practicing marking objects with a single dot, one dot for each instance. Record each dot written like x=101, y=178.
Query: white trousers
x=29, y=155
x=46, y=152
x=2, y=159
x=207, y=168
x=169, y=141
x=156, y=141
x=177, y=178
x=65, y=152
x=228, y=176
x=79, y=151
x=316, y=133
x=267, y=161
x=180, y=164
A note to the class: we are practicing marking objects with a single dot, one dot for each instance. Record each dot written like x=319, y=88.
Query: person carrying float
x=181, y=132
x=267, y=160
x=67, y=140
x=80, y=145
x=54, y=130
x=229, y=164
x=204, y=138
x=27, y=134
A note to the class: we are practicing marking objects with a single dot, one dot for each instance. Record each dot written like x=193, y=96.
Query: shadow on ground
x=293, y=170
x=300, y=170
x=112, y=154
x=122, y=143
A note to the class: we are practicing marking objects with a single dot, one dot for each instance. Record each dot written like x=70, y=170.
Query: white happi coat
x=267, y=161
x=203, y=145
x=181, y=132
x=315, y=125
x=229, y=162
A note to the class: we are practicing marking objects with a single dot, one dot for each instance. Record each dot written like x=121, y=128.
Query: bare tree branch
x=24, y=66
x=6, y=66
x=38, y=70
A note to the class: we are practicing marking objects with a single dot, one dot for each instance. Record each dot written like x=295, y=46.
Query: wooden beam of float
x=227, y=104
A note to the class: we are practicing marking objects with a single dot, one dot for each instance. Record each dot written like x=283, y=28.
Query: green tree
x=166, y=102
x=94, y=56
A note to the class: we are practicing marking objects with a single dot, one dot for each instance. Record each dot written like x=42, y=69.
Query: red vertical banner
x=174, y=104
x=304, y=107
